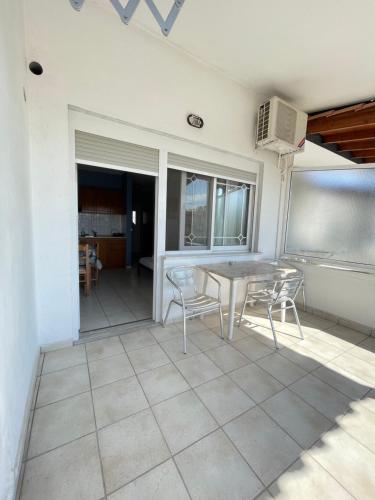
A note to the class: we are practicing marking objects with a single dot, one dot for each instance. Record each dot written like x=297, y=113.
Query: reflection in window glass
x=196, y=206
x=231, y=213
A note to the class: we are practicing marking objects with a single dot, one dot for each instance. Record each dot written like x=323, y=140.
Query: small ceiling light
x=195, y=121
x=35, y=68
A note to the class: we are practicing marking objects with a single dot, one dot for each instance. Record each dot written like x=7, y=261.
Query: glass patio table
x=254, y=271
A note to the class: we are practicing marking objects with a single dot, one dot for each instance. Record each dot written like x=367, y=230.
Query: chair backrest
x=84, y=255
x=187, y=279
x=287, y=289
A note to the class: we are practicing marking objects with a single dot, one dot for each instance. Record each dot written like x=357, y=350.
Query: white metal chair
x=189, y=292
x=275, y=293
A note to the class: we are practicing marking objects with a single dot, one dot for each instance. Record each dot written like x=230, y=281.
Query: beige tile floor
x=132, y=418
x=120, y=297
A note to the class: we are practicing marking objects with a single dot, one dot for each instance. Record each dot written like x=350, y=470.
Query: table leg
x=283, y=311
x=232, y=306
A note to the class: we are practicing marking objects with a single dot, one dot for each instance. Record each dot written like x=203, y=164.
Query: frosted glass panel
x=332, y=215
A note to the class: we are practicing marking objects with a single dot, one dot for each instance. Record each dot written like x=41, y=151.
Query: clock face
x=195, y=121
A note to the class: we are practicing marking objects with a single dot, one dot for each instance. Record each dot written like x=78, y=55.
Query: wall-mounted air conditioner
x=281, y=127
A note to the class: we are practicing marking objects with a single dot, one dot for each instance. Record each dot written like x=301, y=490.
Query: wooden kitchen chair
x=94, y=268
x=85, y=267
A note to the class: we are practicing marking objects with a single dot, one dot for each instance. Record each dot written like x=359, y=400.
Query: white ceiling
x=317, y=54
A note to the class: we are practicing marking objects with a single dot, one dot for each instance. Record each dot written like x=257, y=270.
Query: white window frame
x=212, y=197
x=318, y=261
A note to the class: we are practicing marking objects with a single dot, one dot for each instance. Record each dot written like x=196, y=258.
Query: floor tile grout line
x=62, y=369
x=255, y=403
x=333, y=359
x=262, y=402
x=195, y=387
x=221, y=427
x=65, y=443
x=285, y=385
x=101, y=307
x=139, y=476
x=160, y=430
x=62, y=399
x=116, y=293
x=330, y=474
x=330, y=385
x=228, y=373
x=96, y=432
x=288, y=360
x=112, y=287
x=290, y=384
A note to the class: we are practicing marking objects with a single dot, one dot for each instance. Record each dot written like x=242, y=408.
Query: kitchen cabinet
x=101, y=201
x=112, y=250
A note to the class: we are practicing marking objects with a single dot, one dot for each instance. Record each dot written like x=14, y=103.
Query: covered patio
x=187, y=266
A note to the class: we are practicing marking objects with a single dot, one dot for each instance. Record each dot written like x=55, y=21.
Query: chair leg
x=221, y=322
x=166, y=316
x=269, y=312
x=303, y=297
x=184, y=333
x=242, y=311
x=297, y=319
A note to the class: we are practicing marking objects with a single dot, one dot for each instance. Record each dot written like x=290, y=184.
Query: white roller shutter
x=211, y=169
x=104, y=150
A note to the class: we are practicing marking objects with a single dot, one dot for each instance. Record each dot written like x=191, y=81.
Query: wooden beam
x=332, y=112
x=350, y=135
x=343, y=121
x=366, y=153
x=357, y=145
x=369, y=160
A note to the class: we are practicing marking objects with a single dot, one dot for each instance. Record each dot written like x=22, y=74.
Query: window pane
x=331, y=215
x=172, y=235
x=196, y=208
x=231, y=213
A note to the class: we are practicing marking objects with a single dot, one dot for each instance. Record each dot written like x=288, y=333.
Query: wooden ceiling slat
x=344, y=121
x=357, y=145
x=347, y=131
x=335, y=112
x=351, y=135
x=366, y=153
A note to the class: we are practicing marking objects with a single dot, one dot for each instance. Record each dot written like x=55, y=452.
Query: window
x=331, y=215
x=207, y=213
x=231, y=213
x=196, y=210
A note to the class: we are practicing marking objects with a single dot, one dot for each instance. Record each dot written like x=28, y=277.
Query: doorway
x=116, y=246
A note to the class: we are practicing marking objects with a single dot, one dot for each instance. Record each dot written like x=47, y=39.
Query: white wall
x=18, y=339
x=92, y=61
x=348, y=295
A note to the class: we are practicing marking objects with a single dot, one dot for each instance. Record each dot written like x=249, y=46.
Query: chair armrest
x=177, y=288
x=268, y=285
x=218, y=285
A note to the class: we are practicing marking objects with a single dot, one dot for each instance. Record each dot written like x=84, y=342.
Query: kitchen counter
x=111, y=250
x=102, y=237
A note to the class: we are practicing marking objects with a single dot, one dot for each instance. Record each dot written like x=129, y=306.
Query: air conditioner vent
x=281, y=127
x=263, y=121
